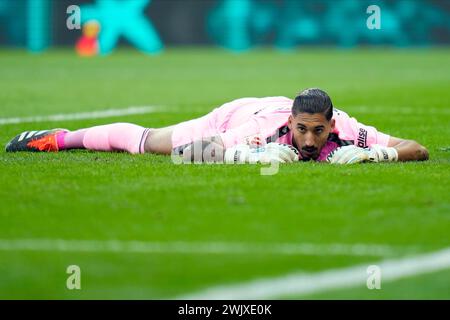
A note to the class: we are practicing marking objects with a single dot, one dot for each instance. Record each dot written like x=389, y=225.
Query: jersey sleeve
x=362, y=135
x=257, y=127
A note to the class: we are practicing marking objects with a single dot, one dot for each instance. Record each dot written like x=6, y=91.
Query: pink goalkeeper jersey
x=262, y=120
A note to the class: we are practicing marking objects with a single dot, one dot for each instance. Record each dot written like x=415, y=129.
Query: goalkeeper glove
x=353, y=154
x=379, y=153
x=272, y=152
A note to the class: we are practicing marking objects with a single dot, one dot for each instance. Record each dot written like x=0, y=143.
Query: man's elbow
x=420, y=152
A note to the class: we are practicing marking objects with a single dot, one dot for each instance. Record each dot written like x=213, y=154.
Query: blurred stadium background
x=235, y=24
x=142, y=227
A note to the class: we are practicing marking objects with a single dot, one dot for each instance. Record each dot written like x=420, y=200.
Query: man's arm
x=396, y=149
x=209, y=150
x=408, y=150
x=212, y=150
x=383, y=147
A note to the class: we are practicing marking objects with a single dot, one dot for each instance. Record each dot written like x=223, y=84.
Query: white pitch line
x=201, y=247
x=82, y=115
x=297, y=284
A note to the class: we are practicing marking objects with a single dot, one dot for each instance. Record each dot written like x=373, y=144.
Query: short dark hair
x=313, y=100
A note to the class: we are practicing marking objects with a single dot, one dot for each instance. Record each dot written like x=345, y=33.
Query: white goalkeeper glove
x=379, y=153
x=353, y=154
x=271, y=152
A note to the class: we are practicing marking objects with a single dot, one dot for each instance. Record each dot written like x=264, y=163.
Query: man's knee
x=159, y=141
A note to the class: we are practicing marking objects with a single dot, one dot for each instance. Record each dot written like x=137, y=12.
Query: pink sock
x=71, y=140
x=116, y=137
x=112, y=137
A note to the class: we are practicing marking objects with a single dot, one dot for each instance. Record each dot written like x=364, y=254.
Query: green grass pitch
x=83, y=195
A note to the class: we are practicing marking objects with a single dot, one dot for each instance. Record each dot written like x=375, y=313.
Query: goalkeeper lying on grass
x=248, y=130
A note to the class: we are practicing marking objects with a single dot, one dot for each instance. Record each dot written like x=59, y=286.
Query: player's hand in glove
x=379, y=153
x=347, y=155
x=353, y=154
x=272, y=152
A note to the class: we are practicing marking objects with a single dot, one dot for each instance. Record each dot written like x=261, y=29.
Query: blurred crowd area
x=234, y=24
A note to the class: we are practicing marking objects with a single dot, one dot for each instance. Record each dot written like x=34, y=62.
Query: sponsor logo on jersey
x=362, y=138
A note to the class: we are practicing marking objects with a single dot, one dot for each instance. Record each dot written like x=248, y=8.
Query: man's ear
x=332, y=124
x=290, y=122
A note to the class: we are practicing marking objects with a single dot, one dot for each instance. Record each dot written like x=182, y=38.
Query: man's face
x=310, y=133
